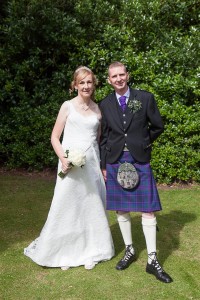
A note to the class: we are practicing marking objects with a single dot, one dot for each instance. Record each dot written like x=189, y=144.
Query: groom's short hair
x=116, y=64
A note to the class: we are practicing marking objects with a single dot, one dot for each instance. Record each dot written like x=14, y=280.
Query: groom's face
x=118, y=78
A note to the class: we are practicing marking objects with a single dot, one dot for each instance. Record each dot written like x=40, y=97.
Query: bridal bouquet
x=76, y=158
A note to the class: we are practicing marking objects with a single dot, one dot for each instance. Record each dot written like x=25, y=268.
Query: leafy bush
x=176, y=154
x=44, y=41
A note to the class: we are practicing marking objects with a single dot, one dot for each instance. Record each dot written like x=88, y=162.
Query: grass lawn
x=25, y=201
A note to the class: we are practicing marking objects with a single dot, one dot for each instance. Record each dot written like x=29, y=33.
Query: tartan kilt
x=143, y=198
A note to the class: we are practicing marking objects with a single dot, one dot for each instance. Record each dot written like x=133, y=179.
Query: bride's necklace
x=85, y=106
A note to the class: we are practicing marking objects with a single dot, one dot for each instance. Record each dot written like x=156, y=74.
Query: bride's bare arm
x=56, y=134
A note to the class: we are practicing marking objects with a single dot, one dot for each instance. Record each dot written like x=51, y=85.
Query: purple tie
x=122, y=101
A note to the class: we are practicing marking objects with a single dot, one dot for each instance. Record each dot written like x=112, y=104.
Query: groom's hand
x=104, y=174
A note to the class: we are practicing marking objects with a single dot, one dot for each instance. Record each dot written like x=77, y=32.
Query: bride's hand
x=65, y=166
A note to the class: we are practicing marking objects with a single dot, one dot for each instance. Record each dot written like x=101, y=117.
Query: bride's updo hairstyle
x=79, y=74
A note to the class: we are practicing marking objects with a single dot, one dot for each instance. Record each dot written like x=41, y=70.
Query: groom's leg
x=153, y=267
x=124, y=221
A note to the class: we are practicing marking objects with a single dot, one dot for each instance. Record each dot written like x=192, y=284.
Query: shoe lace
x=128, y=253
x=155, y=262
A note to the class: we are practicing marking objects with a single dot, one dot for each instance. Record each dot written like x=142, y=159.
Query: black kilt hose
x=143, y=198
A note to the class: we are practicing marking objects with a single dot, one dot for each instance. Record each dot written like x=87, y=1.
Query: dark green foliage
x=176, y=154
x=44, y=41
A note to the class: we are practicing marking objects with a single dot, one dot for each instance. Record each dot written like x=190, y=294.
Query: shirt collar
x=127, y=94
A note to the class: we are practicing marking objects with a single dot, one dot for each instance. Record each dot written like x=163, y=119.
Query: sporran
x=127, y=176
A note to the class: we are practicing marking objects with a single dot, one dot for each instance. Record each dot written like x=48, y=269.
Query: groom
x=131, y=122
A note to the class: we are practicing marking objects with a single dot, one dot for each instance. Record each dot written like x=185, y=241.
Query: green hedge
x=44, y=41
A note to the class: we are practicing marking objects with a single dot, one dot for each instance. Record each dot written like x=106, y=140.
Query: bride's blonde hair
x=79, y=74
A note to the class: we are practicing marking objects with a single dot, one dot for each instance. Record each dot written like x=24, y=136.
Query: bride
x=76, y=231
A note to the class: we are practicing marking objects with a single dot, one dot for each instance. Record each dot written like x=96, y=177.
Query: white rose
x=77, y=157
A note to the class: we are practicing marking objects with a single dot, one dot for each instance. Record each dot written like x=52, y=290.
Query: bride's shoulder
x=66, y=103
x=65, y=108
x=96, y=110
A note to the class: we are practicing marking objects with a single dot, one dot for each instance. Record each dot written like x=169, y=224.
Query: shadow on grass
x=168, y=237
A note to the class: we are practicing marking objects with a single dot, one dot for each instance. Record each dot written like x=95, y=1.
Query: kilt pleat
x=143, y=198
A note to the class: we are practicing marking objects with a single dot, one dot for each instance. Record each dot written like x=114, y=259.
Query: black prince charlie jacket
x=135, y=130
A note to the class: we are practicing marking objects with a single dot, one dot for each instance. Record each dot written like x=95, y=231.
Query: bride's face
x=85, y=86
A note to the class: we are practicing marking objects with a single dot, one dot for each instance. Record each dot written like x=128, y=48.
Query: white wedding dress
x=77, y=230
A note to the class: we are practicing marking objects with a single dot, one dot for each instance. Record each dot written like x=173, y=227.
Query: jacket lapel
x=115, y=110
x=129, y=114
